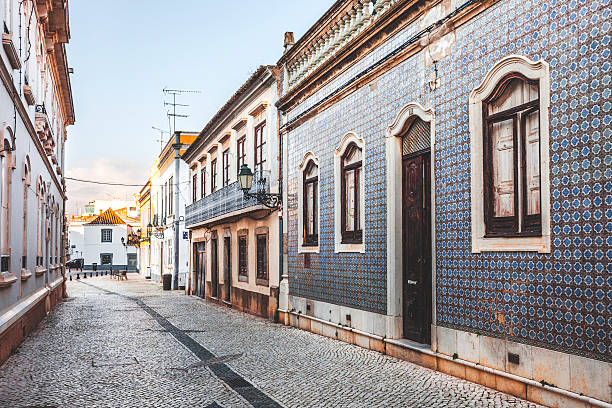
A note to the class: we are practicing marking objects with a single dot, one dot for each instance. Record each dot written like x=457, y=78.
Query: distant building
x=165, y=208
x=35, y=109
x=235, y=240
x=86, y=239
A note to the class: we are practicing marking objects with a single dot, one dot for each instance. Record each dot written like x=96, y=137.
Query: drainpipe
x=177, y=162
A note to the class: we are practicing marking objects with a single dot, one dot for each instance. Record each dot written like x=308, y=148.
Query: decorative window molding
x=348, y=140
x=262, y=255
x=260, y=154
x=243, y=255
x=534, y=71
x=7, y=165
x=308, y=158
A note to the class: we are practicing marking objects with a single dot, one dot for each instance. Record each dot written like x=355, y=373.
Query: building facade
x=35, y=108
x=144, y=247
x=168, y=191
x=235, y=240
x=448, y=188
x=105, y=241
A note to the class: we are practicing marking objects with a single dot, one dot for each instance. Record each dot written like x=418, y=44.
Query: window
x=260, y=146
x=194, y=187
x=226, y=166
x=107, y=235
x=262, y=258
x=6, y=171
x=213, y=175
x=351, y=196
x=310, y=204
x=243, y=259
x=106, y=259
x=203, y=182
x=511, y=160
x=170, y=191
x=241, y=152
x=508, y=119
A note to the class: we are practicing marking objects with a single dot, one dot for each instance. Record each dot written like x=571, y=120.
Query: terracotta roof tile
x=108, y=217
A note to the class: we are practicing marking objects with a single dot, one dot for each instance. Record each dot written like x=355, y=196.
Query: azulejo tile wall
x=561, y=300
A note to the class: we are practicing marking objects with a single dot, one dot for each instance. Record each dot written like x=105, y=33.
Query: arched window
x=511, y=159
x=311, y=204
x=509, y=147
x=351, y=195
x=40, y=222
x=6, y=170
x=26, y=177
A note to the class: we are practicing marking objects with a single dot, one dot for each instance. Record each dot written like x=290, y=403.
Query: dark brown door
x=200, y=272
x=214, y=265
x=227, y=268
x=416, y=285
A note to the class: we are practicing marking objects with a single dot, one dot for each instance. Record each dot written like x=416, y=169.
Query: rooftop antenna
x=161, y=137
x=174, y=115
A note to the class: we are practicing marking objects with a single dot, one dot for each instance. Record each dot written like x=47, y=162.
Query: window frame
x=194, y=187
x=110, y=231
x=512, y=226
x=243, y=236
x=213, y=175
x=354, y=236
x=532, y=70
x=240, y=152
x=259, y=278
x=226, y=167
x=310, y=240
x=203, y=182
x=260, y=145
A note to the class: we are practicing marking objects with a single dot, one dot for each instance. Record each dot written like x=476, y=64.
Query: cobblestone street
x=129, y=344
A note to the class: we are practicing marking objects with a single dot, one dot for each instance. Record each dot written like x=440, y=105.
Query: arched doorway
x=410, y=215
x=416, y=232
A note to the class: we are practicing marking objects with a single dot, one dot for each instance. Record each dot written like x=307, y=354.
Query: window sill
x=25, y=274
x=243, y=278
x=308, y=249
x=7, y=279
x=261, y=282
x=40, y=270
x=358, y=248
x=540, y=244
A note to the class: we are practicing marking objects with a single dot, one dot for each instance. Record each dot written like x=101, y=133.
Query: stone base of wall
x=12, y=337
x=247, y=301
x=503, y=381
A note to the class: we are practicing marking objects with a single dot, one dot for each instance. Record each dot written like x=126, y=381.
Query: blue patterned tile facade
x=561, y=300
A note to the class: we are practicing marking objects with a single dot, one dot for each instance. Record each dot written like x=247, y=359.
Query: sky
x=124, y=53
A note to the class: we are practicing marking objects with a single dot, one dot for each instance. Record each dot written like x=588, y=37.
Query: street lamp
x=245, y=177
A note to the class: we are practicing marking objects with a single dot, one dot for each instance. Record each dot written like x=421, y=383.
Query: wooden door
x=416, y=282
x=214, y=268
x=227, y=268
x=200, y=272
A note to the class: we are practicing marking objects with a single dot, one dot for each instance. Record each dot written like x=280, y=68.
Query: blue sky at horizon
x=125, y=52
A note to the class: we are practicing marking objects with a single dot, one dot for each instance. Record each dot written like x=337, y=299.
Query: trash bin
x=148, y=273
x=167, y=278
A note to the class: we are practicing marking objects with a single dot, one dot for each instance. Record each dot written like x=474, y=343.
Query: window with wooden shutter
x=240, y=152
x=351, y=200
x=262, y=257
x=202, y=182
x=311, y=217
x=226, y=166
x=243, y=259
x=213, y=175
x=512, y=158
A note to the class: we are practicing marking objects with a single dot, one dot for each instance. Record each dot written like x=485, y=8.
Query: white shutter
x=532, y=162
x=502, y=142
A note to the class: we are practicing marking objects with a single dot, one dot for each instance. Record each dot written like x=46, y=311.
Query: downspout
x=281, y=246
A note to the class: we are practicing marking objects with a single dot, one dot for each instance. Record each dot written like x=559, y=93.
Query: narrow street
x=128, y=344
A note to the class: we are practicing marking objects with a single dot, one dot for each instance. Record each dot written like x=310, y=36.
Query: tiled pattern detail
x=562, y=300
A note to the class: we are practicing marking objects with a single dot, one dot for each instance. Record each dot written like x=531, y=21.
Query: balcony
x=224, y=203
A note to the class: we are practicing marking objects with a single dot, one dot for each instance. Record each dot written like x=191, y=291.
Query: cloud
x=109, y=170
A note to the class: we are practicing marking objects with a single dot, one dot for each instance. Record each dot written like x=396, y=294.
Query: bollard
x=96, y=273
x=78, y=276
x=84, y=275
x=70, y=276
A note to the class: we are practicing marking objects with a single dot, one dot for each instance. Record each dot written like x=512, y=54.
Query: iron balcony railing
x=225, y=200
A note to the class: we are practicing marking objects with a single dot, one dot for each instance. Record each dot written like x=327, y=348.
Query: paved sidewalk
x=129, y=344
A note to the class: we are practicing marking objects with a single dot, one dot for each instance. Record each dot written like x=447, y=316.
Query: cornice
x=408, y=11
x=25, y=118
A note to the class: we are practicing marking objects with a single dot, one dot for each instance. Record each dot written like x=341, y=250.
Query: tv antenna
x=174, y=115
x=161, y=137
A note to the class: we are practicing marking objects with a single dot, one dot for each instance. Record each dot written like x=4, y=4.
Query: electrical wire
x=116, y=184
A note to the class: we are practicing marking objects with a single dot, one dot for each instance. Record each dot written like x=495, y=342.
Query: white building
x=164, y=206
x=35, y=108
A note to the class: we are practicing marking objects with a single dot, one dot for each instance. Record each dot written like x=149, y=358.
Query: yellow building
x=162, y=201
